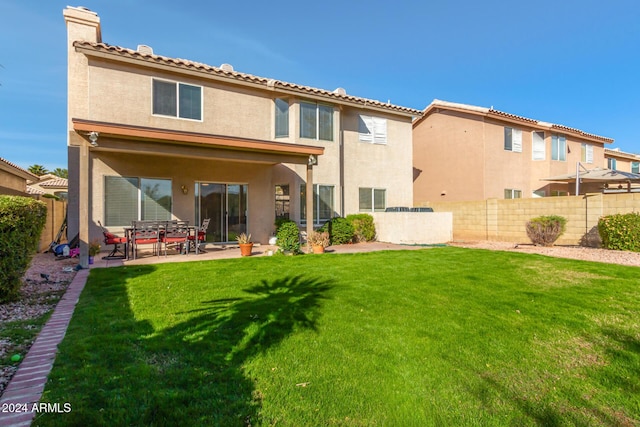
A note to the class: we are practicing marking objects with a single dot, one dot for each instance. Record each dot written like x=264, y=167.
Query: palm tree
x=38, y=170
x=61, y=172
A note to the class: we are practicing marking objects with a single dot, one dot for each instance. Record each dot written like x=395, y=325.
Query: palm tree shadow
x=214, y=346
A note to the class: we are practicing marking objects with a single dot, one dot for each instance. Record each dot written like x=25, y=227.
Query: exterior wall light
x=93, y=138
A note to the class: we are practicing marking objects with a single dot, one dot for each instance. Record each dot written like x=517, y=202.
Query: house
x=48, y=184
x=622, y=161
x=13, y=179
x=153, y=137
x=464, y=152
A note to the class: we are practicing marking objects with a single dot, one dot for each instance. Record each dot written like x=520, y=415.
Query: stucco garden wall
x=413, y=228
x=504, y=220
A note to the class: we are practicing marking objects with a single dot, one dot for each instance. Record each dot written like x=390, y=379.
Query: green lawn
x=442, y=337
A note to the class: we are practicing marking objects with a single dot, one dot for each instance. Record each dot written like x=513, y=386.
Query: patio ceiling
x=145, y=140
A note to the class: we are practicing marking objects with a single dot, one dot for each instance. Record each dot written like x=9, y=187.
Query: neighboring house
x=622, y=161
x=464, y=152
x=152, y=137
x=13, y=179
x=48, y=184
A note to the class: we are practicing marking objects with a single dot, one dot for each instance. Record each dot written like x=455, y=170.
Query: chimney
x=82, y=24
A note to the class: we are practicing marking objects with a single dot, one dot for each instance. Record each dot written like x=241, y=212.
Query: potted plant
x=318, y=241
x=94, y=249
x=246, y=245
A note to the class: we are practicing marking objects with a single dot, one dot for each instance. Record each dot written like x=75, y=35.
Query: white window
x=513, y=139
x=316, y=121
x=372, y=129
x=539, y=193
x=129, y=199
x=587, y=153
x=323, y=206
x=635, y=167
x=282, y=118
x=612, y=164
x=177, y=100
x=538, y=147
x=512, y=194
x=372, y=199
x=558, y=147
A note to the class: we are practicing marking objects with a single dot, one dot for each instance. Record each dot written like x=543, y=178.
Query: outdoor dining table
x=129, y=232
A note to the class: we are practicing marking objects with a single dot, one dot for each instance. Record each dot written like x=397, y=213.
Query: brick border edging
x=27, y=385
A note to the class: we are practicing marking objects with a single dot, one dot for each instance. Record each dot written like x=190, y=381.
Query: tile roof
x=55, y=183
x=489, y=112
x=616, y=152
x=14, y=166
x=34, y=191
x=337, y=95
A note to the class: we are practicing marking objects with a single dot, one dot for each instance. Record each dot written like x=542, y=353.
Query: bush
x=279, y=221
x=545, y=230
x=22, y=220
x=289, y=237
x=620, y=231
x=364, y=229
x=340, y=231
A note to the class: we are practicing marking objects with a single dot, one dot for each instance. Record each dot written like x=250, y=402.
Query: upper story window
x=537, y=145
x=558, y=147
x=635, y=167
x=372, y=129
x=512, y=139
x=316, y=121
x=612, y=164
x=177, y=100
x=587, y=153
x=282, y=118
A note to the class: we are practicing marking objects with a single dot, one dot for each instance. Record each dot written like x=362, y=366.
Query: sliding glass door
x=226, y=206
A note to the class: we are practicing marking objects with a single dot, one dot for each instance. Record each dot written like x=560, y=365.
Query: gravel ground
x=43, y=285
x=573, y=252
x=47, y=276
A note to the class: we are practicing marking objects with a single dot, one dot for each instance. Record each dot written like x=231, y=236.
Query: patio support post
x=309, y=202
x=83, y=205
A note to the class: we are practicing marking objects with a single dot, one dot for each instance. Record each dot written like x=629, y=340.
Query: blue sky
x=575, y=63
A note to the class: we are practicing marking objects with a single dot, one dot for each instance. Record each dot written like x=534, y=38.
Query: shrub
x=545, y=230
x=279, y=221
x=364, y=229
x=289, y=237
x=620, y=231
x=22, y=220
x=340, y=231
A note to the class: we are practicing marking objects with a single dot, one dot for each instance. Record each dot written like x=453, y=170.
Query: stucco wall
x=413, y=228
x=504, y=220
x=11, y=184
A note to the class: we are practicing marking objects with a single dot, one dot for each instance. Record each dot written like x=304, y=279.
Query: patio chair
x=116, y=241
x=176, y=234
x=201, y=235
x=145, y=233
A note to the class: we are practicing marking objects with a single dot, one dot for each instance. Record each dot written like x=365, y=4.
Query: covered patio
x=183, y=163
x=599, y=180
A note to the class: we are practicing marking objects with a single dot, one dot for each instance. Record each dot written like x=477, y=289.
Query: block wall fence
x=56, y=211
x=504, y=220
